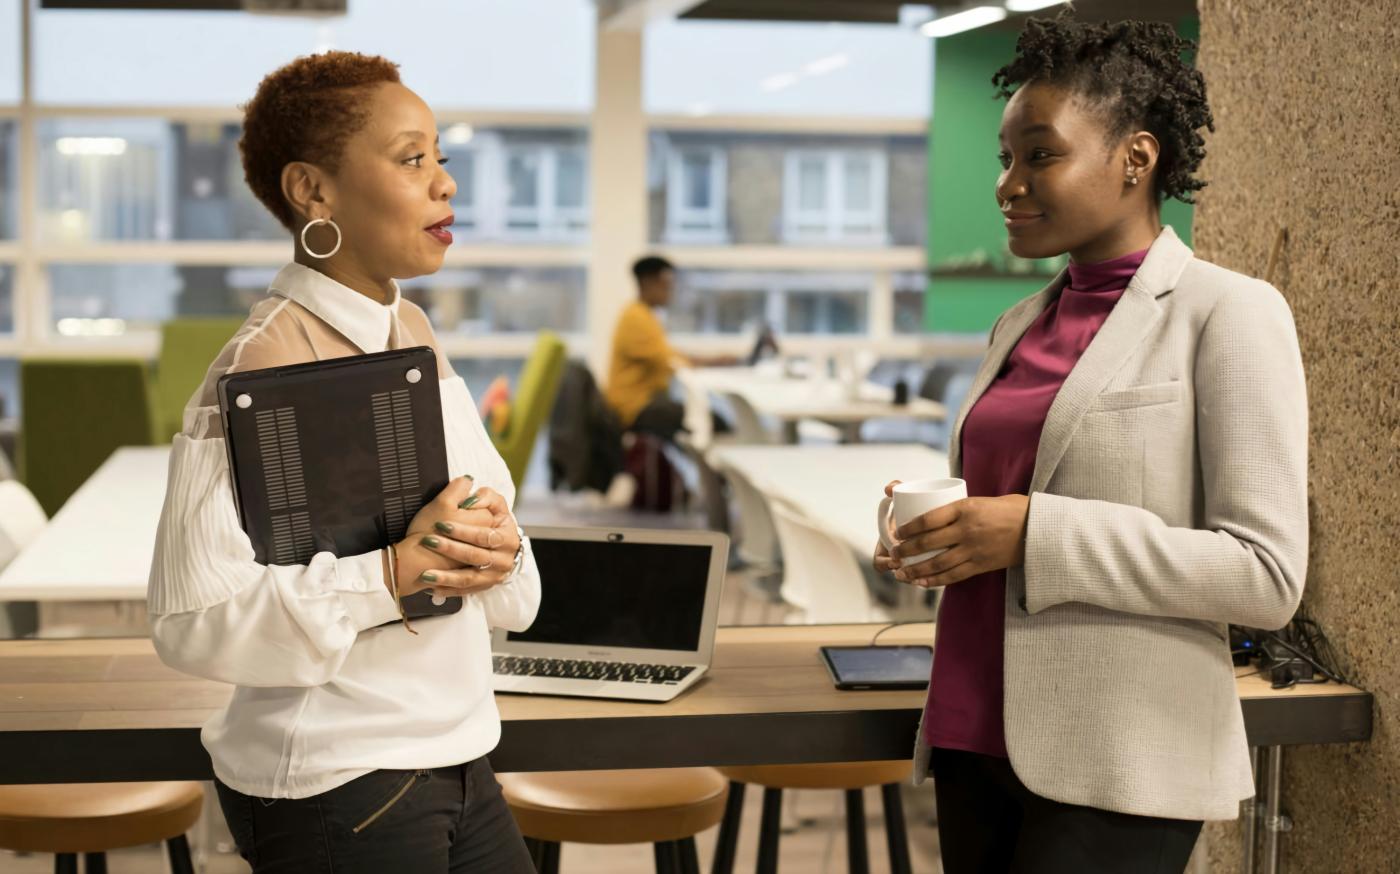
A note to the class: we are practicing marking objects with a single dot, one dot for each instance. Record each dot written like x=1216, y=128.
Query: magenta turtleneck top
x=999, y=442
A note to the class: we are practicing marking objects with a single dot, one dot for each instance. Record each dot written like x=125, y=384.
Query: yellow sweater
x=642, y=362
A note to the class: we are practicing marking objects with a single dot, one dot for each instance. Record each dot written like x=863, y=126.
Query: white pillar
x=617, y=187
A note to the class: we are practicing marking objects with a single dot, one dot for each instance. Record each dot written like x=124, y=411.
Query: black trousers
x=433, y=821
x=990, y=823
x=662, y=417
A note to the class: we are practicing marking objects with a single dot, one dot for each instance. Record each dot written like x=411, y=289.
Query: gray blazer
x=1169, y=498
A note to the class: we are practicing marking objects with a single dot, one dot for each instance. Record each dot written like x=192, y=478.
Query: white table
x=837, y=486
x=88, y=568
x=791, y=400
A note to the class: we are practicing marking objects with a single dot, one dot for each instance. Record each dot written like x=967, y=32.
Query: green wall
x=965, y=230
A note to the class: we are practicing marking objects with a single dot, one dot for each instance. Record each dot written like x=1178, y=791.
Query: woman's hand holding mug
x=938, y=537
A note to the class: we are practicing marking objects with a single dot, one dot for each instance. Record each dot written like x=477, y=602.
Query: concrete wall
x=1306, y=98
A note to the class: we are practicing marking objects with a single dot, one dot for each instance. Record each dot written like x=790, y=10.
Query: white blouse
x=323, y=695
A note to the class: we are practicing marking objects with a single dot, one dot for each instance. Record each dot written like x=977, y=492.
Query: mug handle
x=883, y=519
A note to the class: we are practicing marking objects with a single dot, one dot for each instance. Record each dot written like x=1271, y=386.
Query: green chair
x=76, y=413
x=534, y=398
x=187, y=347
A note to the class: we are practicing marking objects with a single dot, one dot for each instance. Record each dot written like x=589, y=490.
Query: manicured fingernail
x=467, y=504
x=428, y=577
x=431, y=542
x=444, y=527
x=468, y=476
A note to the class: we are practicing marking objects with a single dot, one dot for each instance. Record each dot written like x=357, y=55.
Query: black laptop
x=336, y=456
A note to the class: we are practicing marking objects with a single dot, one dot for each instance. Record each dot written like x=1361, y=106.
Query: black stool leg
x=728, y=839
x=768, y=831
x=667, y=860
x=94, y=863
x=895, y=831
x=857, y=853
x=178, y=849
x=65, y=863
x=690, y=856
x=549, y=857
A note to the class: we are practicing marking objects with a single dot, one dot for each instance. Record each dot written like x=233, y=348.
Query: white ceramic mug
x=911, y=500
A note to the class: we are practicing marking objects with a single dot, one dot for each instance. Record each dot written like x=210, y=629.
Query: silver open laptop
x=625, y=613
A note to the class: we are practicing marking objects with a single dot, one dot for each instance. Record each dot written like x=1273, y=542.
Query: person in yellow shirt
x=643, y=360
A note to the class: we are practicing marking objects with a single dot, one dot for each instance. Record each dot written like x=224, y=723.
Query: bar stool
x=666, y=807
x=852, y=777
x=68, y=819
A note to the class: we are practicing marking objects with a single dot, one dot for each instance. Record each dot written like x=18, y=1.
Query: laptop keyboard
x=577, y=669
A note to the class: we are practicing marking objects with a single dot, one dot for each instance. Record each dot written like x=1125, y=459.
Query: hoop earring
x=313, y=223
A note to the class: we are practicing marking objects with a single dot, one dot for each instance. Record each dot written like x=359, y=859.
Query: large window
x=7, y=300
x=836, y=195
x=9, y=178
x=762, y=188
x=532, y=56
x=111, y=300
x=546, y=191
x=788, y=302
x=696, y=197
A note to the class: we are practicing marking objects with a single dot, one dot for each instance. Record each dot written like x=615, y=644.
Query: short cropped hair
x=649, y=266
x=306, y=111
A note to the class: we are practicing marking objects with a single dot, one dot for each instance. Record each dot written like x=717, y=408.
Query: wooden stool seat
x=839, y=775
x=69, y=818
x=615, y=807
x=852, y=778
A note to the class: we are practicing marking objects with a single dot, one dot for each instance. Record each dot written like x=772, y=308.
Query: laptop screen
x=636, y=595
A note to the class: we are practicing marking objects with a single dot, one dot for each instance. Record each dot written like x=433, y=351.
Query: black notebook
x=336, y=456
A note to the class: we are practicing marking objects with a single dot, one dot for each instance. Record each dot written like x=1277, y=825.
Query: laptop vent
x=286, y=486
x=398, y=460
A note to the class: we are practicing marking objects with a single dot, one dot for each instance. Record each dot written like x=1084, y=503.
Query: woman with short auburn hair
x=352, y=743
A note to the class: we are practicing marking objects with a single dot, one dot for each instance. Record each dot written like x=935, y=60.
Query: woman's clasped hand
x=977, y=536
x=462, y=541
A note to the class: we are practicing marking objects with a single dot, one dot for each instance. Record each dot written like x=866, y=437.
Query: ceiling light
x=458, y=134
x=1030, y=5
x=780, y=81
x=822, y=66
x=90, y=145
x=961, y=21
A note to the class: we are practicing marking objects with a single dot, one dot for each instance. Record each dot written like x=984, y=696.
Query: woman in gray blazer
x=1135, y=447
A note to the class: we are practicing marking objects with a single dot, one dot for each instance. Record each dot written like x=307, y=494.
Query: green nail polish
x=468, y=503
x=443, y=527
x=431, y=542
x=428, y=577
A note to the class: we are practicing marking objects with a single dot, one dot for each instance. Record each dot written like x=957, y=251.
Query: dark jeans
x=434, y=821
x=988, y=821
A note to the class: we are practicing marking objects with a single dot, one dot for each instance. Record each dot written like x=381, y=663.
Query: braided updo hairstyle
x=1133, y=72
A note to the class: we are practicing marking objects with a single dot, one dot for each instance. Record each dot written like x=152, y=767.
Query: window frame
x=682, y=219
x=830, y=224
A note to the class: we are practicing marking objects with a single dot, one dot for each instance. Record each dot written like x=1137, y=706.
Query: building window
x=695, y=196
x=546, y=191
x=466, y=203
x=834, y=196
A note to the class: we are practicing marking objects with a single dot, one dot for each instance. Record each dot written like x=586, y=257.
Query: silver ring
x=487, y=566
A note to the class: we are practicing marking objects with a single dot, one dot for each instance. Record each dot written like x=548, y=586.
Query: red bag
x=659, y=484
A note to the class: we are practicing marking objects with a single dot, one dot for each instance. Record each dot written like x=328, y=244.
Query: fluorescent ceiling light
x=458, y=134
x=1030, y=5
x=822, y=66
x=90, y=145
x=780, y=81
x=961, y=21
